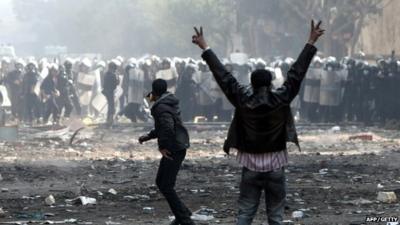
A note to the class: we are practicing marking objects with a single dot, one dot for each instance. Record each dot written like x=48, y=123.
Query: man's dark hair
x=159, y=87
x=261, y=78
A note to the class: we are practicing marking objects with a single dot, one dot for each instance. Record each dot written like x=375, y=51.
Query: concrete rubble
x=387, y=197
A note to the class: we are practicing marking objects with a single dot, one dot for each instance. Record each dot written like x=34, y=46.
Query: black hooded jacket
x=263, y=121
x=168, y=127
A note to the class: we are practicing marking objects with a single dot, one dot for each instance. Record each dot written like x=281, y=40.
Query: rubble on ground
x=106, y=177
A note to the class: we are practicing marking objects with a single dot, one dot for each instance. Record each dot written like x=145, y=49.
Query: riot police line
x=44, y=92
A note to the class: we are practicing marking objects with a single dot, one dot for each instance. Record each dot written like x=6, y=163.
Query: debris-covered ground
x=335, y=179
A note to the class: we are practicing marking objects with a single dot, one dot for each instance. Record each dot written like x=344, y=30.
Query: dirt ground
x=333, y=180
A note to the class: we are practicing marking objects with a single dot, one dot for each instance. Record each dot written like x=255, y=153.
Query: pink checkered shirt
x=264, y=162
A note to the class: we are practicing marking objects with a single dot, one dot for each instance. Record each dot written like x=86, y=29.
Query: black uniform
x=64, y=100
x=184, y=91
x=13, y=83
x=49, y=90
x=71, y=76
x=32, y=103
x=111, y=81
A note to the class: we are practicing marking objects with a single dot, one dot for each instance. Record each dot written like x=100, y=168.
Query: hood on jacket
x=167, y=102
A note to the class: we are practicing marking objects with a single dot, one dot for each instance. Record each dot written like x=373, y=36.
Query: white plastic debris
x=387, y=197
x=199, y=217
x=82, y=200
x=136, y=197
x=112, y=223
x=112, y=191
x=148, y=209
x=50, y=200
x=357, y=178
x=323, y=171
x=288, y=222
x=380, y=186
x=2, y=213
x=335, y=129
x=359, y=201
x=203, y=214
x=297, y=214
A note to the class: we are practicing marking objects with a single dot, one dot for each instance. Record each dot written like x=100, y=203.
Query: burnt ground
x=333, y=180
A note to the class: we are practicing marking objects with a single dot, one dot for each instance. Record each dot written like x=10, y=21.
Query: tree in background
x=266, y=23
x=136, y=27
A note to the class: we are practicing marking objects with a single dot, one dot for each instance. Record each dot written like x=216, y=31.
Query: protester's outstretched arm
x=151, y=135
x=227, y=82
x=299, y=69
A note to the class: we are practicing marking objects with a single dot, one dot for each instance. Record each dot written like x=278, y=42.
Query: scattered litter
x=326, y=187
x=198, y=217
x=359, y=201
x=70, y=221
x=82, y=200
x=112, y=191
x=357, y=178
x=297, y=214
x=335, y=129
x=379, y=186
x=112, y=223
x=2, y=213
x=49, y=214
x=203, y=214
x=52, y=134
x=136, y=197
x=148, y=209
x=323, y=171
x=200, y=119
x=31, y=197
x=50, y=200
x=387, y=197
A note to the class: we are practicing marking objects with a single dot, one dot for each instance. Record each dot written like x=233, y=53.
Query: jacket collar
x=161, y=98
x=261, y=90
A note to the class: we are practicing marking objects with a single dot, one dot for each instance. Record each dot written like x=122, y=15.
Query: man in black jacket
x=173, y=140
x=260, y=128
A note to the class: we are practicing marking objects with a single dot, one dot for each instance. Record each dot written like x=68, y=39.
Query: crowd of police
x=352, y=90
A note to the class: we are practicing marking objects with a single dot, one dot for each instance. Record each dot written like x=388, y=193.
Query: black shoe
x=187, y=222
x=174, y=222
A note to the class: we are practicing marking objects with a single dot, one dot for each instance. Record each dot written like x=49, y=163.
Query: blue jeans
x=252, y=184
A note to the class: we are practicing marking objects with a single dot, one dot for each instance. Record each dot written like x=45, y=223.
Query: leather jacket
x=263, y=121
